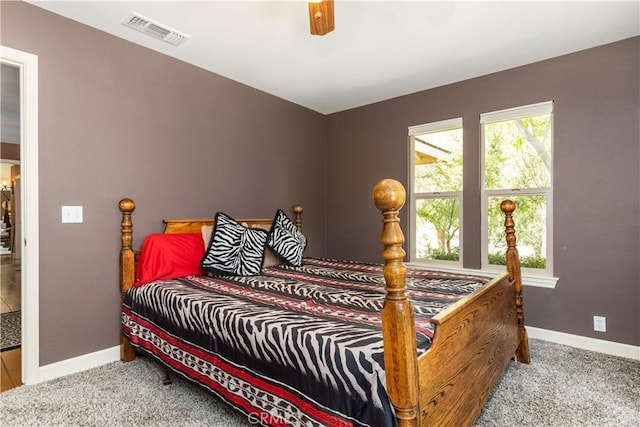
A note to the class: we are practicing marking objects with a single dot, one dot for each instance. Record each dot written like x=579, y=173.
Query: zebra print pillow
x=234, y=249
x=285, y=239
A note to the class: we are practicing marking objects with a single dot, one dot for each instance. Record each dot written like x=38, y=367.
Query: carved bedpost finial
x=126, y=207
x=127, y=255
x=515, y=275
x=398, y=325
x=508, y=206
x=513, y=264
x=297, y=211
x=389, y=194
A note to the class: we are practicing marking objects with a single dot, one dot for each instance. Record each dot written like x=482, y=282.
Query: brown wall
x=120, y=120
x=596, y=183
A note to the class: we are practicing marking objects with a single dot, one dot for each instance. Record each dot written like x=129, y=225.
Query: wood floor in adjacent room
x=10, y=294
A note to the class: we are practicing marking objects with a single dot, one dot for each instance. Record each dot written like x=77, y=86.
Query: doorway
x=23, y=208
x=10, y=224
x=10, y=259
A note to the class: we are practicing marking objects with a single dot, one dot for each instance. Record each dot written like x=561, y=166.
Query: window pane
x=530, y=217
x=438, y=228
x=518, y=153
x=438, y=161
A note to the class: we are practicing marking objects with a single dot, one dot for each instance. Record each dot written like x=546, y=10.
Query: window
x=517, y=164
x=515, y=159
x=436, y=191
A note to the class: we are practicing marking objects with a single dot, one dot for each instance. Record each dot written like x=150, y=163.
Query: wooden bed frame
x=474, y=339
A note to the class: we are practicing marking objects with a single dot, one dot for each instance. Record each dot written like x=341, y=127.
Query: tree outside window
x=437, y=187
x=518, y=165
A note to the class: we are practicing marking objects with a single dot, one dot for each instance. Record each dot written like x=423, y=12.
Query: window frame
x=442, y=125
x=485, y=194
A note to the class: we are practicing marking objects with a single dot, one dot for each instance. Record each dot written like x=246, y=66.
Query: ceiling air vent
x=155, y=30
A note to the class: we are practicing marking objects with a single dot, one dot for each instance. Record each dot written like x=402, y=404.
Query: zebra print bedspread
x=295, y=346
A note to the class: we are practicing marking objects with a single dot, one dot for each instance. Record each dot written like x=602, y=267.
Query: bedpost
x=398, y=325
x=127, y=268
x=297, y=211
x=513, y=267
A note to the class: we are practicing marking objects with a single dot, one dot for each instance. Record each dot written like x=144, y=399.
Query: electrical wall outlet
x=599, y=323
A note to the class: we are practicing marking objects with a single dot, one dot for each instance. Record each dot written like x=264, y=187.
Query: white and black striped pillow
x=234, y=249
x=285, y=239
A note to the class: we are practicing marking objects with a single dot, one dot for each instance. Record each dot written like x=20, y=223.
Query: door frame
x=27, y=63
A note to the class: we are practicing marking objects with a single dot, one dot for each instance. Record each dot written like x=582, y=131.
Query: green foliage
x=444, y=214
x=531, y=261
x=498, y=259
x=454, y=255
x=518, y=153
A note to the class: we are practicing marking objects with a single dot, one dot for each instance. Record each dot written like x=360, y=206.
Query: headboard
x=129, y=256
x=174, y=226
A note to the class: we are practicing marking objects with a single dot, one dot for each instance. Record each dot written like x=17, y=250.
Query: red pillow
x=168, y=256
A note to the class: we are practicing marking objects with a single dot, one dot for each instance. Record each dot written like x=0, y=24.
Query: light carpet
x=562, y=386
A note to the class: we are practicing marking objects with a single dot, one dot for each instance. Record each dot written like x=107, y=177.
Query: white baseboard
x=78, y=364
x=586, y=343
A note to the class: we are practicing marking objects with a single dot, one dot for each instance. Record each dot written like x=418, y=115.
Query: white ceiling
x=378, y=50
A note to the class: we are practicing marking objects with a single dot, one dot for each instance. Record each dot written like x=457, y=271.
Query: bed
x=385, y=345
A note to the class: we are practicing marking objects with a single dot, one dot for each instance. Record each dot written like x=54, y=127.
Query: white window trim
x=441, y=125
x=543, y=278
x=517, y=112
x=532, y=280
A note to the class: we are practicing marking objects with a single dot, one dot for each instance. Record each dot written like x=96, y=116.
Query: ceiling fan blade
x=321, y=18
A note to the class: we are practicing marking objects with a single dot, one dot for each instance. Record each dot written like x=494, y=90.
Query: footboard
x=473, y=342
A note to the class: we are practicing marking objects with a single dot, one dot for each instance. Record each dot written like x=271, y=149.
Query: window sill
x=547, y=282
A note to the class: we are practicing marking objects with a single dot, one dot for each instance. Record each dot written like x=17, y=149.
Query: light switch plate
x=71, y=214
